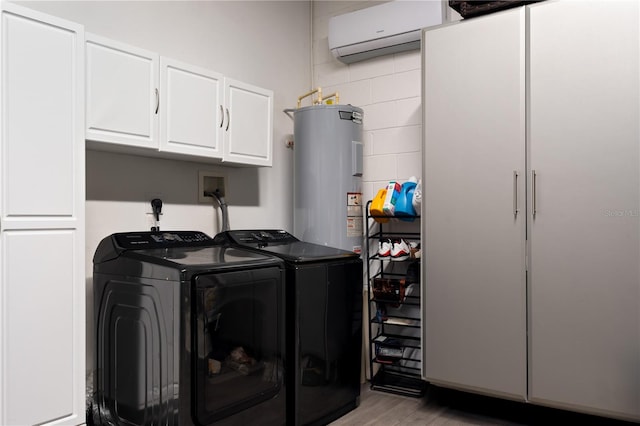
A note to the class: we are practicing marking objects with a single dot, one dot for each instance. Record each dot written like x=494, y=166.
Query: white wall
x=388, y=88
x=265, y=43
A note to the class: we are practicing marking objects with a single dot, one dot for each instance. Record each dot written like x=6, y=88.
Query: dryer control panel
x=261, y=236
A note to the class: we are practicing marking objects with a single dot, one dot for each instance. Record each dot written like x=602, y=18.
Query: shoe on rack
x=414, y=249
x=384, y=247
x=417, y=254
x=400, y=250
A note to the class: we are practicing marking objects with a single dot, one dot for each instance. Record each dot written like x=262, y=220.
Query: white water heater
x=328, y=176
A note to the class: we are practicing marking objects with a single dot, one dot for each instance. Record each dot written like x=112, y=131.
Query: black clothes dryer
x=324, y=328
x=188, y=332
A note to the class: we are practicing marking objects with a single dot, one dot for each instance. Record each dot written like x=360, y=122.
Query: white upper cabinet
x=138, y=99
x=42, y=297
x=122, y=93
x=249, y=124
x=192, y=114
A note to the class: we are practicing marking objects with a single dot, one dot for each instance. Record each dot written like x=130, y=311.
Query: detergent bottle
x=417, y=197
x=376, y=208
x=404, y=206
x=393, y=193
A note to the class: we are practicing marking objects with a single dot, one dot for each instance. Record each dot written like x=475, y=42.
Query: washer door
x=238, y=338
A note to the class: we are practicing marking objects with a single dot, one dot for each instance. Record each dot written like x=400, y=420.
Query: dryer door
x=238, y=338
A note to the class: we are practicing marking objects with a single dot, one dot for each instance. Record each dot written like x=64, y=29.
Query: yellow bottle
x=376, y=206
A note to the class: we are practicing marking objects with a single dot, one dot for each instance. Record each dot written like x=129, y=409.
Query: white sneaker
x=384, y=248
x=400, y=250
x=414, y=249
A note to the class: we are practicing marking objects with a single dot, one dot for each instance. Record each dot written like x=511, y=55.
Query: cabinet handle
x=221, y=116
x=515, y=194
x=534, y=206
x=228, y=119
x=157, y=100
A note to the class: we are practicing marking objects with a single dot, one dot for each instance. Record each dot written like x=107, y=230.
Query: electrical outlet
x=209, y=182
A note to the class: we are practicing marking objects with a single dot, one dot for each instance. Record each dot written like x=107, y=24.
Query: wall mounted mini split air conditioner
x=383, y=29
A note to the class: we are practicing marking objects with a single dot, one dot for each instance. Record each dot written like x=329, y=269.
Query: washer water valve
x=156, y=206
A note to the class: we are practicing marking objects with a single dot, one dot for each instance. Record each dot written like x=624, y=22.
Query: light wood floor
x=441, y=407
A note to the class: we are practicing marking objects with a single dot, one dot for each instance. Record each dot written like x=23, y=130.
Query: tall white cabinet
x=42, y=281
x=584, y=146
x=532, y=205
x=474, y=207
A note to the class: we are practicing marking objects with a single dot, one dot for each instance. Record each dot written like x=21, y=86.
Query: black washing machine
x=188, y=332
x=324, y=328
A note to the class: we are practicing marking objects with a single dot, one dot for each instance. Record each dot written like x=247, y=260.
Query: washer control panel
x=149, y=240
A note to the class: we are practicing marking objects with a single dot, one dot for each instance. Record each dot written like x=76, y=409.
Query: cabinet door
x=249, y=126
x=191, y=113
x=42, y=305
x=122, y=93
x=585, y=230
x=473, y=229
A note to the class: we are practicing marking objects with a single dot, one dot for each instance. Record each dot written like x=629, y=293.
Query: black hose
x=223, y=207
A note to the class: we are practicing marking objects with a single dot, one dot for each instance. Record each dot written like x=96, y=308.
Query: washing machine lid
x=283, y=245
x=183, y=250
x=201, y=257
